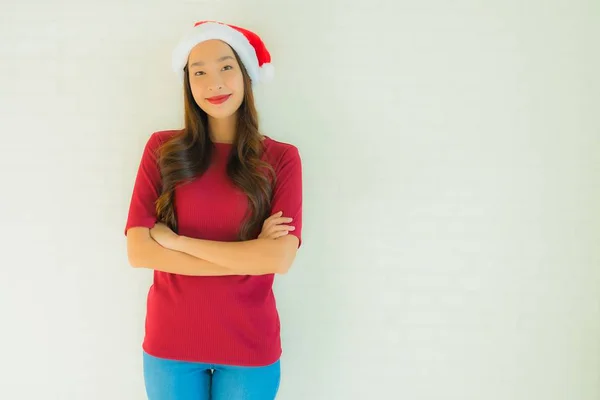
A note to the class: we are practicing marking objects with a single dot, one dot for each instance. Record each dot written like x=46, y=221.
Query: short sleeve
x=146, y=188
x=287, y=194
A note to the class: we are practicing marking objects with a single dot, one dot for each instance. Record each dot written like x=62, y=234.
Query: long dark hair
x=187, y=155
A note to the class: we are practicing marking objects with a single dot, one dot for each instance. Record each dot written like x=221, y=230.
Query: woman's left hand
x=164, y=235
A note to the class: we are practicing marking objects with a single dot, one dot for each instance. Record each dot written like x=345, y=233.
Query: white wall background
x=452, y=183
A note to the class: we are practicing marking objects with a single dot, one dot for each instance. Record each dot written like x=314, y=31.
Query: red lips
x=218, y=99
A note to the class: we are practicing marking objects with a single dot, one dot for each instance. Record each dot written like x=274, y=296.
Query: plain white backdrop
x=451, y=156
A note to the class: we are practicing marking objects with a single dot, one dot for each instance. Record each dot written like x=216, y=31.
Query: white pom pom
x=267, y=72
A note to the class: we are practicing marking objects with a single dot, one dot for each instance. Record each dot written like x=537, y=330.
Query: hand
x=274, y=227
x=164, y=235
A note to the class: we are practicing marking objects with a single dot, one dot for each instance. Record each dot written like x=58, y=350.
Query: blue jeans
x=180, y=380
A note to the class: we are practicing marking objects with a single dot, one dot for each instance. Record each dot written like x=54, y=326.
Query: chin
x=219, y=114
x=223, y=111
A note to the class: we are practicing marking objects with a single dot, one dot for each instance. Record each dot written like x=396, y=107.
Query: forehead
x=209, y=51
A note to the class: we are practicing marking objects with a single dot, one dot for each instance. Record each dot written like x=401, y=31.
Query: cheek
x=197, y=92
x=236, y=82
x=237, y=85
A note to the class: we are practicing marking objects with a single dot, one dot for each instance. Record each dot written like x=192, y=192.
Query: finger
x=268, y=220
x=282, y=220
x=278, y=229
x=276, y=221
x=276, y=235
x=277, y=214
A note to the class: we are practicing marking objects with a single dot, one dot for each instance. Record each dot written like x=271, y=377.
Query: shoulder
x=278, y=152
x=160, y=137
x=156, y=140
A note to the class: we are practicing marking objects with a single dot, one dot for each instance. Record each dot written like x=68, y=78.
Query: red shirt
x=219, y=319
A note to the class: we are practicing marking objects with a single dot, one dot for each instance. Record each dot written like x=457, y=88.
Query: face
x=216, y=79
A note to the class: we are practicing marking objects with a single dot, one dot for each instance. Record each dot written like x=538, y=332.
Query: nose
x=215, y=85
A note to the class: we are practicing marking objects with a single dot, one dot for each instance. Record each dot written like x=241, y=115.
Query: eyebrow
x=200, y=63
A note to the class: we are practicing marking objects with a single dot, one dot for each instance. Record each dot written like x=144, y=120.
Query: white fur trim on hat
x=267, y=72
x=213, y=30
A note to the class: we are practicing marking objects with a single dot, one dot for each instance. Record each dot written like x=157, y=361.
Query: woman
x=216, y=212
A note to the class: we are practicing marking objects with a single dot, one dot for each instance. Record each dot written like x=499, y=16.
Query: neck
x=222, y=130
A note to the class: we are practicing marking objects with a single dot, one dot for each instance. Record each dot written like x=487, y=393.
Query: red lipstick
x=218, y=99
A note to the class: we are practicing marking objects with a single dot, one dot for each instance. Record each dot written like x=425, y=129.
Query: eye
x=198, y=73
x=227, y=67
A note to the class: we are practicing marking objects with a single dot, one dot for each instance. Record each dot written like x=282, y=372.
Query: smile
x=218, y=99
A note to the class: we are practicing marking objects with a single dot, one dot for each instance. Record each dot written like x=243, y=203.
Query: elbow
x=137, y=246
x=287, y=249
x=138, y=259
x=134, y=257
x=280, y=269
x=133, y=260
x=284, y=264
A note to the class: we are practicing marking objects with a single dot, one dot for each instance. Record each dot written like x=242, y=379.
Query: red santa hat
x=248, y=45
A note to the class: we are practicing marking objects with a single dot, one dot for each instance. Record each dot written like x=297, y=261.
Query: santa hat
x=248, y=45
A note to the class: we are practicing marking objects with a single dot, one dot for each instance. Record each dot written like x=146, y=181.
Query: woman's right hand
x=275, y=227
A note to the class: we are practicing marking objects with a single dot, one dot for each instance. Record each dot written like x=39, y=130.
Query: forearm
x=153, y=256
x=250, y=257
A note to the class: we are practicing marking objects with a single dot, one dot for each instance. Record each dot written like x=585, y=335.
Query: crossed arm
x=161, y=249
